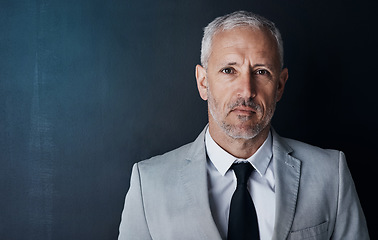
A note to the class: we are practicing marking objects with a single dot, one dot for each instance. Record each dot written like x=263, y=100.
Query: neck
x=238, y=147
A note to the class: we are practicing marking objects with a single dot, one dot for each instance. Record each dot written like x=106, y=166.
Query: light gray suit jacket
x=315, y=196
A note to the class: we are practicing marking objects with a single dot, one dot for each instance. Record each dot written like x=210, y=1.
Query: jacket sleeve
x=350, y=219
x=133, y=222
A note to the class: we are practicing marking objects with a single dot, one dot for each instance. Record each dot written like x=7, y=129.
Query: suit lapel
x=287, y=171
x=193, y=175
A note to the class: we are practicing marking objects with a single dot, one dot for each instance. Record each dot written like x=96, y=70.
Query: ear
x=201, y=77
x=281, y=83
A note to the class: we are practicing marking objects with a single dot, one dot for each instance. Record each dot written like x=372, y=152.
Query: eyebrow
x=221, y=65
x=269, y=66
x=263, y=65
x=228, y=64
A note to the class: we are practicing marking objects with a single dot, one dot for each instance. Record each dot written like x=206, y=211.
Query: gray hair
x=237, y=19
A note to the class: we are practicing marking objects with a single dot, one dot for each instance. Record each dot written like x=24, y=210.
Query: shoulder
x=158, y=172
x=315, y=160
x=164, y=161
x=179, y=152
x=168, y=164
x=310, y=156
x=303, y=150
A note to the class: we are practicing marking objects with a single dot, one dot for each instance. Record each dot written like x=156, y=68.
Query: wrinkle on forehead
x=240, y=44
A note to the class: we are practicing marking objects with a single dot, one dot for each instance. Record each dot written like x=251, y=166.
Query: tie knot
x=242, y=172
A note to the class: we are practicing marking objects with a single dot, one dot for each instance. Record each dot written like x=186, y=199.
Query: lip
x=244, y=110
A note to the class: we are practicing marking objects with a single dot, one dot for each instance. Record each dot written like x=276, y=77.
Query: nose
x=247, y=86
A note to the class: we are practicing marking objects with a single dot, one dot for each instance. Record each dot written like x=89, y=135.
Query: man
x=295, y=191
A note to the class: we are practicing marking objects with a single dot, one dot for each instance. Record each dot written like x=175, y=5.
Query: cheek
x=267, y=99
x=219, y=95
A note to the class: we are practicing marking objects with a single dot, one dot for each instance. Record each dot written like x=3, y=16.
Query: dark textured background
x=87, y=88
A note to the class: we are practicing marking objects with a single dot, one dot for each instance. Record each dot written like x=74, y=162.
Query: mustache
x=245, y=103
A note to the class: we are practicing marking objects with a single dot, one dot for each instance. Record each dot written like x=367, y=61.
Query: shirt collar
x=222, y=160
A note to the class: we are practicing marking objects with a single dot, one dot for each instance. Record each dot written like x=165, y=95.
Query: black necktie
x=242, y=222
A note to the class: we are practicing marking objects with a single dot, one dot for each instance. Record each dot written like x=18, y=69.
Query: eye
x=262, y=72
x=228, y=70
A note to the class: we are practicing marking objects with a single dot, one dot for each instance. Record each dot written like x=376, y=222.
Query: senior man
x=239, y=179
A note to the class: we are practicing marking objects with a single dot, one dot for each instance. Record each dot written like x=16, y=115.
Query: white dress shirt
x=222, y=184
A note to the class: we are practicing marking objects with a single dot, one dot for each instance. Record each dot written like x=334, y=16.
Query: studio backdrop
x=88, y=87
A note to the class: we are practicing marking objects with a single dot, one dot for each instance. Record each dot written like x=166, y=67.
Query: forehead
x=244, y=42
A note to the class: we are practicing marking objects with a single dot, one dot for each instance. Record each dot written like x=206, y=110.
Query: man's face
x=243, y=81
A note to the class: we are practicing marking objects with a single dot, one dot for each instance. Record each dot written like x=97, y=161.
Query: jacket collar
x=194, y=180
x=287, y=171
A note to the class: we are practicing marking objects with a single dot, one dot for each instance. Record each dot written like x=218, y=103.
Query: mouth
x=244, y=110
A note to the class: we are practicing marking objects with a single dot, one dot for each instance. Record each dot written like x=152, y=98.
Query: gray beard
x=233, y=131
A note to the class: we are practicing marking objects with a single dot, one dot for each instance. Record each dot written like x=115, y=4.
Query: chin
x=243, y=132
